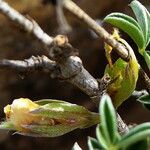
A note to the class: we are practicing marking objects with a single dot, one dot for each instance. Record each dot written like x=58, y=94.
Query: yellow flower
x=46, y=118
x=18, y=112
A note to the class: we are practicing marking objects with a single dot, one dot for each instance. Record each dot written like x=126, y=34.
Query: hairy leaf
x=140, y=145
x=135, y=135
x=143, y=18
x=108, y=119
x=145, y=99
x=128, y=25
x=100, y=134
x=147, y=58
x=147, y=106
x=76, y=146
x=93, y=144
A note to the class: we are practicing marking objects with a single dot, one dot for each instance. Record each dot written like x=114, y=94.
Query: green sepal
x=7, y=126
x=63, y=110
x=124, y=76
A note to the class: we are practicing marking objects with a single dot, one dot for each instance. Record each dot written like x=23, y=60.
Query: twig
x=32, y=64
x=101, y=32
x=70, y=65
x=29, y=25
x=146, y=79
x=123, y=128
x=64, y=27
x=73, y=70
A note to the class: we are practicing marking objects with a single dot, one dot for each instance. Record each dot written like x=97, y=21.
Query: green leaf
x=147, y=106
x=145, y=99
x=108, y=120
x=143, y=18
x=76, y=146
x=128, y=25
x=101, y=137
x=147, y=58
x=140, y=145
x=135, y=135
x=93, y=144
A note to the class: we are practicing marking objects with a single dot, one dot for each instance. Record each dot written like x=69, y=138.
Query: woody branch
x=64, y=55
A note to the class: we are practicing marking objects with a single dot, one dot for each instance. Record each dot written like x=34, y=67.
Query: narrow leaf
x=63, y=110
x=136, y=134
x=140, y=145
x=145, y=99
x=93, y=144
x=128, y=25
x=147, y=106
x=147, y=58
x=143, y=18
x=76, y=146
x=108, y=119
x=101, y=137
x=139, y=128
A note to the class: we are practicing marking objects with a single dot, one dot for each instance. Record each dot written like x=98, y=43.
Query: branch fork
x=64, y=61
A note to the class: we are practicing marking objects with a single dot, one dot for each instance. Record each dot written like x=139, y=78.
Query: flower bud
x=48, y=118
